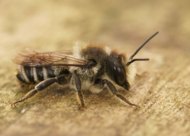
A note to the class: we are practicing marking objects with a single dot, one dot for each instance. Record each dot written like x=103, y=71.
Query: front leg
x=114, y=91
x=79, y=93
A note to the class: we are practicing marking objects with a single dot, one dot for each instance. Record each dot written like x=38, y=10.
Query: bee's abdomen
x=33, y=75
x=39, y=72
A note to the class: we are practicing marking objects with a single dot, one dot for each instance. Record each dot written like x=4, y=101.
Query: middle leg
x=79, y=93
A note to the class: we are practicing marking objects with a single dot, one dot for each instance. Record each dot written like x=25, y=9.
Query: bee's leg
x=115, y=92
x=79, y=93
x=39, y=87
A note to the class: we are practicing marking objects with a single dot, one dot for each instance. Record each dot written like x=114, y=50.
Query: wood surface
x=162, y=89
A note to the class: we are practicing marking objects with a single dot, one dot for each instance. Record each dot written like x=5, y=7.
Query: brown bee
x=88, y=68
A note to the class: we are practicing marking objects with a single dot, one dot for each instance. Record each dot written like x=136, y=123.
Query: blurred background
x=53, y=25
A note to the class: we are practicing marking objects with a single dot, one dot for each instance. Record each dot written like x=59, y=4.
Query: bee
x=89, y=68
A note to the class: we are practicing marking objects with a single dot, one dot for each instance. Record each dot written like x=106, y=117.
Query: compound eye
x=91, y=63
x=119, y=74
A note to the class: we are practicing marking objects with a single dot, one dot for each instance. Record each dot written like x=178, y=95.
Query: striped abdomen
x=33, y=75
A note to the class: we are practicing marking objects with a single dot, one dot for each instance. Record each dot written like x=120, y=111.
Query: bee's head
x=120, y=70
x=116, y=69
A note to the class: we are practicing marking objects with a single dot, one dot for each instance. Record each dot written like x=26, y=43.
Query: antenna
x=142, y=45
x=128, y=63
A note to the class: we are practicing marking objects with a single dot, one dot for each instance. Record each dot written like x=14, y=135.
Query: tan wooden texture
x=162, y=90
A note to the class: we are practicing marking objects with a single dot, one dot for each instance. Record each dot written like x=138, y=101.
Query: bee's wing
x=29, y=57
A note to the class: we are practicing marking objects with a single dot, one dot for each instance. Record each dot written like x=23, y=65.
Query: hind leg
x=41, y=86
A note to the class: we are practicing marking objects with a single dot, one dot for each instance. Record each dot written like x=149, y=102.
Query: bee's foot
x=82, y=107
x=13, y=105
x=137, y=106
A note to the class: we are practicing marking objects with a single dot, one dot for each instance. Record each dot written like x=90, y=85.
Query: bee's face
x=116, y=69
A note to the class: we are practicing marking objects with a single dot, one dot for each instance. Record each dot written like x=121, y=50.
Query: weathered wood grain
x=163, y=91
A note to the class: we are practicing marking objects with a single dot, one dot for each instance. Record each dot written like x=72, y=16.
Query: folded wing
x=29, y=57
